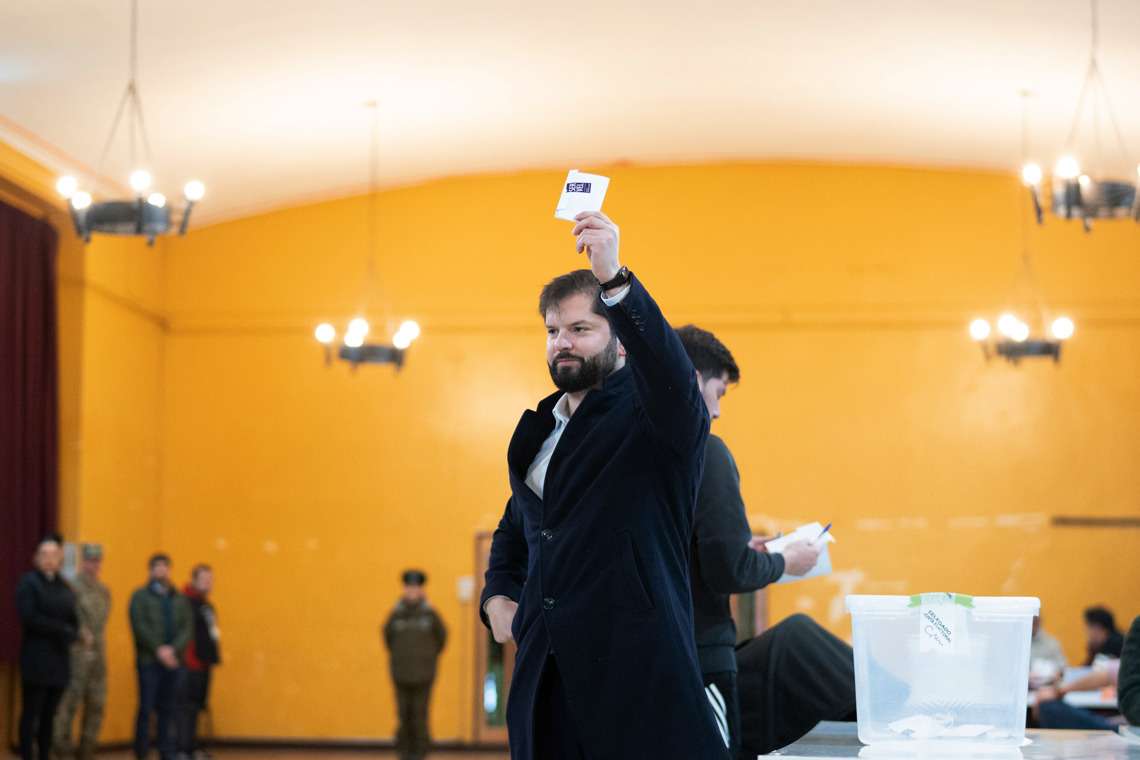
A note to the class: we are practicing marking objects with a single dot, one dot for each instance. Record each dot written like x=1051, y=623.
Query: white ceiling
x=262, y=99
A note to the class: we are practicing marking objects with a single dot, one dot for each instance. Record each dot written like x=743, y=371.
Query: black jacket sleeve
x=506, y=569
x=34, y=619
x=1128, y=684
x=727, y=564
x=665, y=379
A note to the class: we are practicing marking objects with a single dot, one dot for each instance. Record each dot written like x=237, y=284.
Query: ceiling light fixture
x=354, y=349
x=147, y=214
x=1077, y=193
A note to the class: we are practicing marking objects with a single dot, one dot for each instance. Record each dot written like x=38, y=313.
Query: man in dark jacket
x=1128, y=682
x=415, y=636
x=726, y=558
x=589, y=566
x=49, y=624
x=162, y=624
x=202, y=654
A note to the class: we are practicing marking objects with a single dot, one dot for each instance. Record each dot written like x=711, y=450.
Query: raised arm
x=665, y=379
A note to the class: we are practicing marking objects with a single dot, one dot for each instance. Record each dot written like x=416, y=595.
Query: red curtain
x=28, y=404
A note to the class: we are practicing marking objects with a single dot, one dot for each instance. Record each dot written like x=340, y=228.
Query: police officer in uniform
x=414, y=635
x=88, y=684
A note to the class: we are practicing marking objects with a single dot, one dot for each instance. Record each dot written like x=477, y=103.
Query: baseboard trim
x=343, y=745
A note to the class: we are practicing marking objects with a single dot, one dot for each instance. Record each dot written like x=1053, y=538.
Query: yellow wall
x=197, y=415
x=844, y=292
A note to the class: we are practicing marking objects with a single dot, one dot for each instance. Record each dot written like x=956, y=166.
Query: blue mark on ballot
x=578, y=187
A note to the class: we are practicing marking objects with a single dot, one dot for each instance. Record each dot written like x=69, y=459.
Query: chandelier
x=1080, y=194
x=354, y=349
x=149, y=214
x=1015, y=339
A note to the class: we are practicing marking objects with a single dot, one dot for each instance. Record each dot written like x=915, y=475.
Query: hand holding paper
x=581, y=192
x=810, y=537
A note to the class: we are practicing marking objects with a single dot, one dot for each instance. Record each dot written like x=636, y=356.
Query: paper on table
x=581, y=192
x=809, y=532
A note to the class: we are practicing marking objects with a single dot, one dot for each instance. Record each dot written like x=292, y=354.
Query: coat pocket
x=631, y=587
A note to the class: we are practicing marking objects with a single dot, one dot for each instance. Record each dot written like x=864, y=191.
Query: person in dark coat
x=726, y=558
x=589, y=566
x=162, y=624
x=49, y=624
x=414, y=636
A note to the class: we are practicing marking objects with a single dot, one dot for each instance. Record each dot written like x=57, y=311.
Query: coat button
x=548, y=603
x=547, y=534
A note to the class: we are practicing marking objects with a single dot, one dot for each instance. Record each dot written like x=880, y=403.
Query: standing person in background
x=88, y=685
x=414, y=635
x=1101, y=635
x=201, y=655
x=49, y=625
x=162, y=625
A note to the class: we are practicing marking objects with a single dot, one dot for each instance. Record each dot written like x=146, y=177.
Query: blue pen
x=826, y=528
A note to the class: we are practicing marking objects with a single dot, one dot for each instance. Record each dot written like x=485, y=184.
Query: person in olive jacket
x=414, y=635
x=162, y=624
x=49, y=624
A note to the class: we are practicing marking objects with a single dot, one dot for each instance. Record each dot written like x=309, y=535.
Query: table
x=839, y=740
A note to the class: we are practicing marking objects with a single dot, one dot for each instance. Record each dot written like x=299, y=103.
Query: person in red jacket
x=201, y=655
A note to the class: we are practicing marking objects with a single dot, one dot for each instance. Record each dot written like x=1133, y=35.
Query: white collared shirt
x=536, y=473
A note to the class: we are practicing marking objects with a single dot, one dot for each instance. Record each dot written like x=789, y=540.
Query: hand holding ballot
x=599, y=238
x=805, y=552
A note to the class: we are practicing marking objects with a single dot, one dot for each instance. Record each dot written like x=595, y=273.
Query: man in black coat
x=589, y=567
x=50, y=624
x=726, y=558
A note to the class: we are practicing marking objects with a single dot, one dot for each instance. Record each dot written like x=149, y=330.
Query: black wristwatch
x=620, y=279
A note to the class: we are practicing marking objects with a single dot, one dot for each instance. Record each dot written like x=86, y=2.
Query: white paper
x=581, y=192
x=809, y=532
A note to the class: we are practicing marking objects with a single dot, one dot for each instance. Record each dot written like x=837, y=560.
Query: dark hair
x=200, y=568
x=1101, y=616
x=571, y=284
x=709, y=356
x=50, y=538
x=414, y=578
x=156, y=558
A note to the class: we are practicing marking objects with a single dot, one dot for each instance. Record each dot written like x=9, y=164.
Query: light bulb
x=158, y=200
x=1007, y=324
x=194, y=191
x=1067, y=168
x=80, y=200
x=358, y=326
x=354, y=340
x=1063, y=328
x=411, y=328
x=140, y=180
x=66, y=186
x=325, y=333
x=402, y=341
x=1031, y=175
x=1021, y=332
x=1085, y=180
x=979, y=329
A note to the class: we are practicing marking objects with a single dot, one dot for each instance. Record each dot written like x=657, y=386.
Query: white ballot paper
x=809, y=532
x=581, y=192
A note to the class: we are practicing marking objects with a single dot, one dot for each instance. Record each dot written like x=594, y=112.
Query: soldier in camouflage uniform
x=88, y=685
